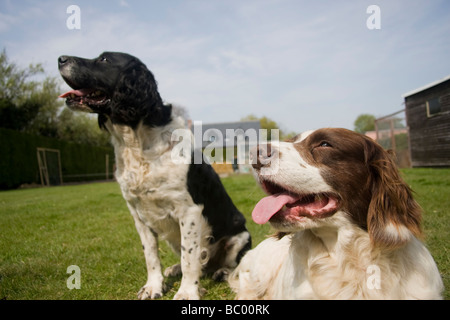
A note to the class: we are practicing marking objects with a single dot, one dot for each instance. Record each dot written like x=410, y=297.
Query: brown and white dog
x=348, y=224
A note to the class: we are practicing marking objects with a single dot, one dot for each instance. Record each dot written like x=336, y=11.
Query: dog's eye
x=103, y=59
x=325, y=144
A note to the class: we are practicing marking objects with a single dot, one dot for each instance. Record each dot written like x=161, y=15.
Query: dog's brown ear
x=394, y=217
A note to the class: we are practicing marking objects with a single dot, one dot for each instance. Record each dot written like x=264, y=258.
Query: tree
x=46, y=97
x=81, y=128
x=15, y=118
x=33, y=106
x=28, y=105
x=268, y=124
x=364, y=123
x=14, y=82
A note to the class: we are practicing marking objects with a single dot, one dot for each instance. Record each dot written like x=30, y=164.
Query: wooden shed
x=428, y=118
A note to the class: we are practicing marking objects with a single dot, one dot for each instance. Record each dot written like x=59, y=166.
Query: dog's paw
x=189, y=294
x=150, y=292
x=173, y=271
x=221, y=274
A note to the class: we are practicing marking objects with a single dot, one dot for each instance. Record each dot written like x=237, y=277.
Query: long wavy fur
x=136, y=99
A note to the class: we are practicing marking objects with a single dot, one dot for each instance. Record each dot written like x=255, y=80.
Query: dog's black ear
x=102, y=118
x=136, y=98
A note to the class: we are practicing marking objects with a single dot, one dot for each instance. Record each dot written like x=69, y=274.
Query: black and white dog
x=184, y=204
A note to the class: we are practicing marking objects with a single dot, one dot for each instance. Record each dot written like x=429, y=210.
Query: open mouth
x=85, y=99
x=282, y=204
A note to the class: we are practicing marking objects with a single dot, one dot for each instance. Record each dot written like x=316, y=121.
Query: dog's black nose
x=62, y=60
x=261, y=156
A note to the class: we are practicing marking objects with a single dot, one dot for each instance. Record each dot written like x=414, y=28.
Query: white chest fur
x=151, y=183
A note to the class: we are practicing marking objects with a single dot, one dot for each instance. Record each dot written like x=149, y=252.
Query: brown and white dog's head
x=319, y=173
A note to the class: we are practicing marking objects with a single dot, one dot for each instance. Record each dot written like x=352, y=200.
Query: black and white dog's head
x=115, y=85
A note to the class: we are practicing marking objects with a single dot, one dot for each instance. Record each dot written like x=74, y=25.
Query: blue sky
x=304, y=64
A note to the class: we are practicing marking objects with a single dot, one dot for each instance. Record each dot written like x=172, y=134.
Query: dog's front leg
x=192, y=254
x=153, y=289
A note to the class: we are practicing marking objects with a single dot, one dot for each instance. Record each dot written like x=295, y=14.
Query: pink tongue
x=268, y=206
x=80, y=93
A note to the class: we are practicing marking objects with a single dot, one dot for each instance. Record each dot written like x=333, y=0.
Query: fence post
x=107, y=166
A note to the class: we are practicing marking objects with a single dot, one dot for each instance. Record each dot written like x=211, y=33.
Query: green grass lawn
x=43, y=231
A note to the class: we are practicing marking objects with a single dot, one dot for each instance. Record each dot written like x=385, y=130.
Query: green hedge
x=19, y=165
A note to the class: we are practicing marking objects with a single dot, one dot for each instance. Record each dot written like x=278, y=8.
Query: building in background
x=428, y=118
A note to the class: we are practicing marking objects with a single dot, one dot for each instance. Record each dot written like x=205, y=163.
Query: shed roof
x=432, y=84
